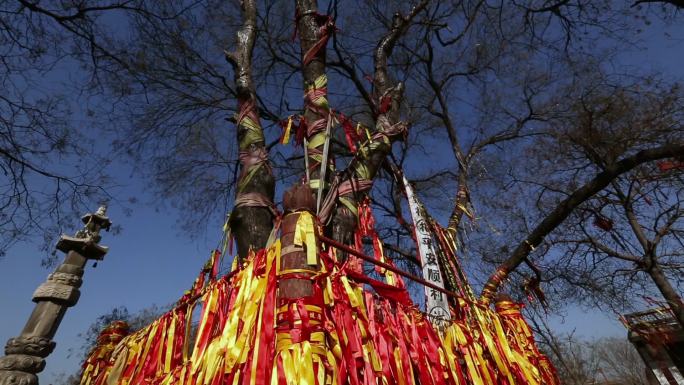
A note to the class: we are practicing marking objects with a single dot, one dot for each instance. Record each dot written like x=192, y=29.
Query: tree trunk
x=387, y=96
x=669, y=293
x=313, y=31
x=252, y=218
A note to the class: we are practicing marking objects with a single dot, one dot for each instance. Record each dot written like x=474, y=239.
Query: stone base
x=11, y=377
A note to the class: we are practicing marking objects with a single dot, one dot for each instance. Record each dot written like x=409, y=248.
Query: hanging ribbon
x=286, y=134
x=305, y=235
x=345, y=334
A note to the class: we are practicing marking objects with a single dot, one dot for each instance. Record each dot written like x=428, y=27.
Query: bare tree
x=603, y=247
x=51, y=168
x=466, y=83
x=580, y=361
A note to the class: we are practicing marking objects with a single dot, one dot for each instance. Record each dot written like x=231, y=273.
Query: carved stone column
x=25, y=354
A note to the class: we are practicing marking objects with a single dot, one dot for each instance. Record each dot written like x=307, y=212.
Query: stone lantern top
x=86, y=241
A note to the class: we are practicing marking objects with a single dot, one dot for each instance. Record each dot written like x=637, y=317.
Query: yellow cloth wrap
x=518, y=357
x=238, y=338
x=368, y=135
x=253, y=132
x=361, y=170
x=518, y=334
x=305, y=235
x=319, y=83
x=188, y=330
x=351, y=205
x=390, y=277
x=116, y=371
x=99, y=360
x=450, y=347
x=315, y=141
x=170, y=343
x=499, y=359
x=355, y=295
x=271, y=260
x=328, y=296
x=244, y=181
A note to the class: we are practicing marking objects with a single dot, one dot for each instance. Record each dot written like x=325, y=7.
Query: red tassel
x=603, y=223
x=215, y=265
x=326, y=25
x=385, y=104
x=300, y=131
x=350, y=133
x=266, y=348
x=667, y=165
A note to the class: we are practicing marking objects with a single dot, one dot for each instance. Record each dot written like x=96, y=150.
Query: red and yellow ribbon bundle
x=352, y=330
x=99, y=358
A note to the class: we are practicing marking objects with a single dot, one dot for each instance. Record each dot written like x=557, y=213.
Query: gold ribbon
x=305, y=235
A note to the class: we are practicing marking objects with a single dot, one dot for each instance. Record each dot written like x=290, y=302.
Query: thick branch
x=676, y=3
x=241, y=58
x=637, y=229
x=668, y=291
x=385, y=106
x=384, y=48
x=387, y=122
x=462, y=199
x=563, y=210
x=314, y=31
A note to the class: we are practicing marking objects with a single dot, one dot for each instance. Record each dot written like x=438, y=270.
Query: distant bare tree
x=581, y=362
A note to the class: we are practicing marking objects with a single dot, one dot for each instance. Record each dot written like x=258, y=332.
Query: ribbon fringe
x=350, y=336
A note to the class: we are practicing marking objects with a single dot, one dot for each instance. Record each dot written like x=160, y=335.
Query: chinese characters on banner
x=436, y=302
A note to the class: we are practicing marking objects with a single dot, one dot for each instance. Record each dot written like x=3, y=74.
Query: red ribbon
x=385, y=104
x=350, y=133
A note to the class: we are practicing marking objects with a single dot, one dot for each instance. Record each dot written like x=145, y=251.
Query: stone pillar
x=25, y=354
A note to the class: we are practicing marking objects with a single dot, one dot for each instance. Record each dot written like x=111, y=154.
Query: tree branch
x=563, y=210
x=357, y=178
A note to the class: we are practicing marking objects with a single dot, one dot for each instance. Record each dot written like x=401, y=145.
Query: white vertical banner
x=436, y=302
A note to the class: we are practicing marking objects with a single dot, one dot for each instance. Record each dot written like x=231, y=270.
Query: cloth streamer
x=352, y=336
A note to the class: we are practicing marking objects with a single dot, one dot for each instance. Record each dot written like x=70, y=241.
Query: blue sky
x=151, y=262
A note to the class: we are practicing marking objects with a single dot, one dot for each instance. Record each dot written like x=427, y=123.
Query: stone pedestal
x=25, y=354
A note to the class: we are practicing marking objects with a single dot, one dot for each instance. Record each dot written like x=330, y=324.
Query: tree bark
x=296, y=200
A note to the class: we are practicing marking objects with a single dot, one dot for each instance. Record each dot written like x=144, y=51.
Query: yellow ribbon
x=305, y=235
x=286, y=135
